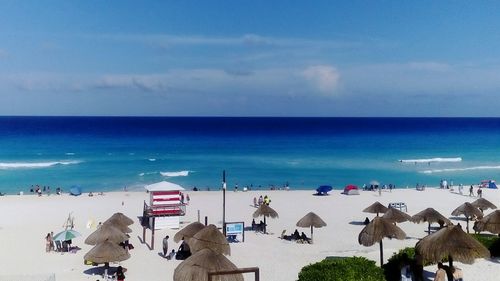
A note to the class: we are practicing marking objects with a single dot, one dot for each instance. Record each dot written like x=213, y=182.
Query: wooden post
x=381, y=254
x=143, y=234
x=153, y=234
x=198, y=215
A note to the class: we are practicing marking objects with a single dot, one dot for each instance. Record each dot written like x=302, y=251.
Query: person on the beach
x=471, y=190
x=165, y=246
x=440, y=273
x=261, y=200
x=51, y=241
x=479, y=193
x=48, y=241
x=171, y=255
x=457, y=274
x=120, y=276
x=187, y=198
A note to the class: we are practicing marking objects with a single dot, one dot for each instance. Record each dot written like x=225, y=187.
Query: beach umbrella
x=490, y=222
x=483, y=204
x=396, y=216
x=123, y=228
x=188, y=231
x=469, y=211
x=209, y=237
x=311, y=220
x=376, y=231
x=197, y=267
x=324, y=189
x=120, y=218
x=431, y=216
x=75, y=190
x=452, y=242
x=106, y=232
x=265, y=211
x=65, y=235
x=376, y=208
x=107, y=252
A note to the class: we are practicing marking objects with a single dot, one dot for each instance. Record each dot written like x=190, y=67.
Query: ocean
x=113, y=153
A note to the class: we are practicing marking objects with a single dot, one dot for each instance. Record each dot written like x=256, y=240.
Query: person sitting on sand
x=296, y=235
x=440, y=273
x=171, y=255
x=457, y=274
x=120, y=276
x=304, y=238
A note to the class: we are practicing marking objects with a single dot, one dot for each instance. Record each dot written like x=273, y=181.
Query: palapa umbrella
x=431, y=216
x=452, y=242
x=188, y=231
x=376, y=208
x=123, y=228
x=311, y=220
x=121, y=219
x=469, y=211
x=197, y=267
x=378, y=229
x=107, y=252
x=106, y=232
x=396, y=216
x=483, y=204
x=490, y=222
x=209, y=237
x=266, y=211
x=65, y=235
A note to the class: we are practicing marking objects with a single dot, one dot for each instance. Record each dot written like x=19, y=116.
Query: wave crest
x=461, y=169
x=428, y=160
x=175, y=174
x=34, y=165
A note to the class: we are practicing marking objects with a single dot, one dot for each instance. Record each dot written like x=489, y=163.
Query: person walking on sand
x=48, y=242
x=165, y=246
x=471, y=190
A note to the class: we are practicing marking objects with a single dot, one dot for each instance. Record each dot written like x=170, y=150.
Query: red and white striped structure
x=166, y=204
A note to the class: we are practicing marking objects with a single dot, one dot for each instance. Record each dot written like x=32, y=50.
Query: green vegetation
x=490, y=241
x=342, y=269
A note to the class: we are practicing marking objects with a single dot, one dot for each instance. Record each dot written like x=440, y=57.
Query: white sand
x=25, y=220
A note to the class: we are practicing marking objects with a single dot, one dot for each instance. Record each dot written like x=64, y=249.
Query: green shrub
x=392, y=269
x=492, y=242
x=343, y=269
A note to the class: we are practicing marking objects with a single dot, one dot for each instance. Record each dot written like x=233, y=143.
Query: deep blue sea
x=109, y=153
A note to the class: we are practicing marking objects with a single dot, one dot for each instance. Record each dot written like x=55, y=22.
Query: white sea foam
x=70, y=153
x=428, y=160
x=147, y=173
x=461, y=169
x=175, y=174
x=33, y=165
x=152, y=159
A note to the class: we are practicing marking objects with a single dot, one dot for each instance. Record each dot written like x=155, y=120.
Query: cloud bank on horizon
x=186, y=58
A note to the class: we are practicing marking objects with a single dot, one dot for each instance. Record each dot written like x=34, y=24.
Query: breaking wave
x=428, y=160
x=461, y=169
x=175, y=174
x=34, y=165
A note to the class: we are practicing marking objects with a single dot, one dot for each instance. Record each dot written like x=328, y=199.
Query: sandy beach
x=25, y=220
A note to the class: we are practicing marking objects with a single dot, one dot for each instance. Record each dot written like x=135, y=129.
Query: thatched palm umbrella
x=483, y=204
x=452, y=242
x=431, y=216
x=376, y=208
x=106, y=232
x=376, y=230
x=265, y=211
x=396, y=216
x=210, y=237
x=107, y=252
x=121, y=219
x=188, y=231
x=490, y=222
x=311, y=220
x=197, y=266
x=469, y=211
x=123, y=228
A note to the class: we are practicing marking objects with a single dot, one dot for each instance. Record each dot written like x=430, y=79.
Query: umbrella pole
x=429, y=229
x=311, y=233
x=450, y=260
x=265, y=225
x=381, y=254
x=467, y=224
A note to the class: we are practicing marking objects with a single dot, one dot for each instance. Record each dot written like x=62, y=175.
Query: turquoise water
x=111, y=153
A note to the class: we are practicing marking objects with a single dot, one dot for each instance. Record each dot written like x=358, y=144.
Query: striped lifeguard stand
x=165, y=208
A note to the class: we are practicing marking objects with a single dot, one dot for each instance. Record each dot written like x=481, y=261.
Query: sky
x=250, y=58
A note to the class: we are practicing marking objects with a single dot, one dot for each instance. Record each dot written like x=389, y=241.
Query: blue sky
x=250, y=58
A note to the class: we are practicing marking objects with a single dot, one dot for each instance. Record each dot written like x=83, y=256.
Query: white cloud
x=429, y=66
x=323, y=77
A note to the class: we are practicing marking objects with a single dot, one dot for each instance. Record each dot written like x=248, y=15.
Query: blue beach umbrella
x=324, y=189
x=65, y=235
x=75, y=190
